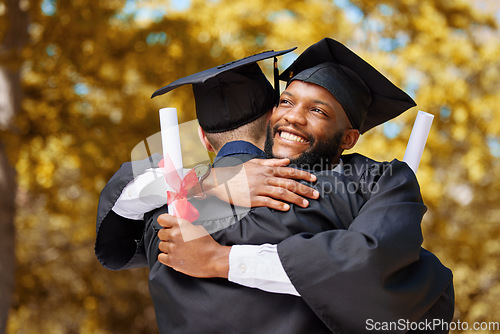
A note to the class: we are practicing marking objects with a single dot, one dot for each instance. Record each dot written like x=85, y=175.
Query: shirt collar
x=339, y=168
x=239, y=147
x=244, y=147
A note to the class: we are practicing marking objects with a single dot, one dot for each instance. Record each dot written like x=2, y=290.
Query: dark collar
x=239, y=147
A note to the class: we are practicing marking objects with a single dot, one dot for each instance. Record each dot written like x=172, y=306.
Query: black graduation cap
x=367, y=96
x=231, y=95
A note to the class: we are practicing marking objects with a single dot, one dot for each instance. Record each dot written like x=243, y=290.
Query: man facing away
x=183, y=304
x=354, y=260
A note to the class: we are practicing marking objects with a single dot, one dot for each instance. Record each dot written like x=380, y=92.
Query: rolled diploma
x=418, y=137
x=170, y=141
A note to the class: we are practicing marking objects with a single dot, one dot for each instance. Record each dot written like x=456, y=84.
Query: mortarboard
x=230, y=95
x=367, y=96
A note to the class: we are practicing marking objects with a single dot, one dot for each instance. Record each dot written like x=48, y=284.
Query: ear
x=204, y=139
x=349, y=139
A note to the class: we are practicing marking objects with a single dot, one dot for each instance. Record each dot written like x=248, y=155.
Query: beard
x=319, y=156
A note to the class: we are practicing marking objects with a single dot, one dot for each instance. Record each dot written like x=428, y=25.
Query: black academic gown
x=368, y=267
x=374, y=270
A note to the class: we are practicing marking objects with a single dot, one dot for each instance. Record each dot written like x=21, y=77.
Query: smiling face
x=308, y=125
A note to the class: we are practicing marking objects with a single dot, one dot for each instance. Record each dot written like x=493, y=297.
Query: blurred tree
x=89, y=67
x=14, y=39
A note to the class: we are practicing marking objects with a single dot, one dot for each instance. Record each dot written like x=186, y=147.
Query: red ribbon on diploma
x=177, y=199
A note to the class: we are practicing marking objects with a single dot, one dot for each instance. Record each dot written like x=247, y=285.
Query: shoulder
x=131, y=169
x=371, y=174
x=357, y=165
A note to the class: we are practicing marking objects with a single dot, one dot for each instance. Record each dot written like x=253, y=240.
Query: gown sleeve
x=375, y=270
x=119, y=240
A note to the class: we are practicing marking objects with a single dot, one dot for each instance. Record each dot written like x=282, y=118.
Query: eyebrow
x=315, y=101
x=323, y=103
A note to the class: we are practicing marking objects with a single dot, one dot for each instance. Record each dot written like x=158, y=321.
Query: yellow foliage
x=67, y=143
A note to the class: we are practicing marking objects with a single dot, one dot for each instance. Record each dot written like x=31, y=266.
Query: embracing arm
x=376, y=268
x=261, y=183
x=255, y=265
x=181, y=244
x=138, y=187
x=118, y=238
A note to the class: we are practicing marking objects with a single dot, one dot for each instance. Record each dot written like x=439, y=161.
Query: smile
x=292, y=137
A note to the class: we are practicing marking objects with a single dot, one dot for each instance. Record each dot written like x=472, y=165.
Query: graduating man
x=242, y=98
x=233, y=100
x=333, y=95
x=358, y=256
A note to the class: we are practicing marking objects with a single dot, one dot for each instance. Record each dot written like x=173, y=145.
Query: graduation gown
x=375, y=268
x=363, y=261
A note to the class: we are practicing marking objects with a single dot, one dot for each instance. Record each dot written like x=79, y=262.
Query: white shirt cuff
x=259, y=267
x=146, y=192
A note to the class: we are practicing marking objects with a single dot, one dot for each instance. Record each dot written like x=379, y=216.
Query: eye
x=318, y=111
x=285, y=102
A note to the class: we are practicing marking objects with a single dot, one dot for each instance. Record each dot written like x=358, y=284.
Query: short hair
x=254, y=131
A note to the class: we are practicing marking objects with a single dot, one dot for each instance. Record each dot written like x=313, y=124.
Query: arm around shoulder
x=374, y=269
x=118, y=239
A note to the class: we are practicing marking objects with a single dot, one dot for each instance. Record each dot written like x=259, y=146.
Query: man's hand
x=190, y=249
x=261, y=182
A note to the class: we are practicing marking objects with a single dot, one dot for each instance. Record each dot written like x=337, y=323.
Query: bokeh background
x=75, y=84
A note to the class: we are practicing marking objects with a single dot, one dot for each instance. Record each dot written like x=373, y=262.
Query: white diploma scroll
x=170, y=140
x=418, y=137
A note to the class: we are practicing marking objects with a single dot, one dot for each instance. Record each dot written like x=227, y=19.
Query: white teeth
x=292, y=137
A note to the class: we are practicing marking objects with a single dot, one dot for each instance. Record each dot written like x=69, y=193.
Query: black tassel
x=276, y=80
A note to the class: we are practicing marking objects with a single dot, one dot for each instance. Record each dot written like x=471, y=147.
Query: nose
x=296, y=115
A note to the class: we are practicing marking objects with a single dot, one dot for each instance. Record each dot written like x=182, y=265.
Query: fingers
x=292, y=173
x=167, y=234
x=279, y=190
x=270, y=203
x=164, y=247
x=272, y=162
x=180, y=231
x=190, y=232
x=170, y=230
x=283, y=195
x=164, y=259
x=167, y=221
x=263, y=183
x=292, y=186
x=170, y=261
